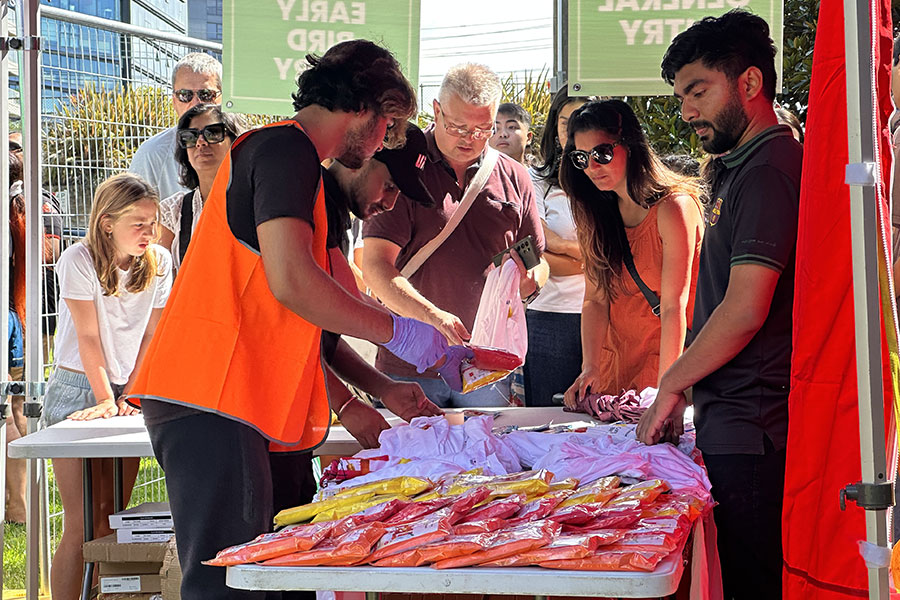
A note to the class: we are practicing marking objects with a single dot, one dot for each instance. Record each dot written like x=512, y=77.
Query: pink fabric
x=500, y=320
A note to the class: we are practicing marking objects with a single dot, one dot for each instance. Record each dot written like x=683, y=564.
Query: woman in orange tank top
x=627, y=204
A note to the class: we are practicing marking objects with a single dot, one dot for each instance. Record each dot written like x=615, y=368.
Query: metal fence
x=105, y=90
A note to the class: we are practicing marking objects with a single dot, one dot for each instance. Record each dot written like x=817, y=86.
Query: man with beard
x=235, y=366
x=739, y=359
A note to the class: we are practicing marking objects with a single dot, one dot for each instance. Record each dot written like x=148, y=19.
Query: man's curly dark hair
x=731, y=44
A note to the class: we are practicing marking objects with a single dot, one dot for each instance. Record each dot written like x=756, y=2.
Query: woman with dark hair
x=639, y=226
x=554, y=318
x=204, y=136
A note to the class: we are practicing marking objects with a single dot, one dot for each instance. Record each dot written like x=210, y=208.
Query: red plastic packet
x=507, y=543
x=609, y=518
x=379, y=512
x=563, y=547
x=538, y=508
x=417, y=510
x=401, y=538
x=349, y=549
x=295, y=538
x=609, y=561
x=469, y=499
x=483, y=526
x=496, y=509
x=342, y=469
x=577, y=514
x=494, y=359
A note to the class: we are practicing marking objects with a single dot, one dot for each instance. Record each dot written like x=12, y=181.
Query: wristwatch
x=533, y=295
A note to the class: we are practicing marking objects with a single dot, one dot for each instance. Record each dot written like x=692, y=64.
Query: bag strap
x=187, y=219
x=475, y=186
x=650, y=295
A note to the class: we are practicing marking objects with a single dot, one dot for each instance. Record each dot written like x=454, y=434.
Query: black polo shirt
x=752, y=220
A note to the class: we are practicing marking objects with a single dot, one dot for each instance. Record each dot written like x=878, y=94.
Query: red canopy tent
x=837, y=309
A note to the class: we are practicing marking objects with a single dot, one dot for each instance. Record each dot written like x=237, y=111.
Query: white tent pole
x=4, y=244
x=861, y=175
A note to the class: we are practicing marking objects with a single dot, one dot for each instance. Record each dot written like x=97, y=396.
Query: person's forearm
x=673, y=328
x=351, y=367
x=541, y=273
x=594, y=325
x=553, y=241
x=90, y=350
x=724, y=335
x=562, y=265
x=338, y=394
x=397, y=293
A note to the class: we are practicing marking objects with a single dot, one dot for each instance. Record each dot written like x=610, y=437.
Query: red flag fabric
x=820, y=542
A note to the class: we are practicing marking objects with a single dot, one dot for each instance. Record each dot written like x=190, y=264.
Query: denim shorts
x=68, y=392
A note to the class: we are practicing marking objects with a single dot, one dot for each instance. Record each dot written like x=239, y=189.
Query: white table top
x=127, y=437
x=530, y=581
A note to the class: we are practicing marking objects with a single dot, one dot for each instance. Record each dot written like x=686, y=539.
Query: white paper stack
x=148, y=522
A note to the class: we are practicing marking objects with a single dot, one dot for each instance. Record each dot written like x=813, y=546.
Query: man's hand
x=363, y=422
x=527, y=282
x=450, y=325
x=102, y=410
x=407, y=400
x=666, y=412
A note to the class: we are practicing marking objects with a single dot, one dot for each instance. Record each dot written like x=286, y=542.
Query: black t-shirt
x=274, y=173
x=337, y=205
x=752, y=220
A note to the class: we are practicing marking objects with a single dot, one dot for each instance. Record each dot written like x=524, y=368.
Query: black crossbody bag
x=650, y=295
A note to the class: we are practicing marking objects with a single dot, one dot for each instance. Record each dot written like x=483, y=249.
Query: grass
x=147, y=489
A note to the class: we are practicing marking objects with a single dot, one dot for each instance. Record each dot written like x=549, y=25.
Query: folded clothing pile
x=627, y=406
x=471, y=519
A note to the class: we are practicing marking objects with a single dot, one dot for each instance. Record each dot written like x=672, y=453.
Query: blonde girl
x=113, y=284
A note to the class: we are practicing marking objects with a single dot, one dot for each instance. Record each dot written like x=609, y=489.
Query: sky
x=506, y=35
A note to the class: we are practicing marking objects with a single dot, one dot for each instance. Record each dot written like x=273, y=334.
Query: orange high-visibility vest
x=225, y=345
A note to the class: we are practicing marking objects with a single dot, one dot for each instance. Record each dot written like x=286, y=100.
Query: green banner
x=265, y=42
x=616, y=46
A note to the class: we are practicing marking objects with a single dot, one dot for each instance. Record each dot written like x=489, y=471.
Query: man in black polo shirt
x=739, y=359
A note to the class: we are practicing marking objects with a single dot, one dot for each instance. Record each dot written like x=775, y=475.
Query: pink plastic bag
x=500, y=320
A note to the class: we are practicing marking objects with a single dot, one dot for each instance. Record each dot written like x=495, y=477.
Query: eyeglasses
x=15, y=147
x=186, y=95
x=601, y=153
x=477, y=133
x=213, y=134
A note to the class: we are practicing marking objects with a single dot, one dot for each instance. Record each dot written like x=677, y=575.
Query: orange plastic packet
x=483, y=526
x=401, y=538
x=596, y=492
x=605, y=560
x=456, y=545
x=675, y=505
x=563, y=547
x=507, y=543
x=644, y=492
x=296, y=538
x=349, y=549
x=379, y=512
x=501, y=508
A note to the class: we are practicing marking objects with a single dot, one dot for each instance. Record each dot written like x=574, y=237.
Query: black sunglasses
x=186, y=95
x=601, y=153
x=213, y=134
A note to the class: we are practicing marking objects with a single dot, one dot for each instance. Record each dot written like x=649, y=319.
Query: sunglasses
x=213, y=134
x=203, y=95
x=601, y=153
x=15, y=147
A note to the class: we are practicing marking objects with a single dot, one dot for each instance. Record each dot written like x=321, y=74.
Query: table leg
x=118, y=476
x=88, y=512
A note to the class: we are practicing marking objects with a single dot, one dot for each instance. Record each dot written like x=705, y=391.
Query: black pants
x=749, y=490
x=553, y=362
x=219, y=475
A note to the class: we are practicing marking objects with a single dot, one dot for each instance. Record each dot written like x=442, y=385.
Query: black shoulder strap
x=650, y=295
x=187, y=219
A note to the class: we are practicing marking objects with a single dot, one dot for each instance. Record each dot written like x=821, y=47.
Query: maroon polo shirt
x=453, y=277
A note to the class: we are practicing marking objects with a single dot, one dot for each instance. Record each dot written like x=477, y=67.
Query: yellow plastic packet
x=569, y=483
x=299, y=514
x=474, y=378
x=353, y=505
x=432, y=495
x=405, y=486
x=524, y=482
x=601, y=490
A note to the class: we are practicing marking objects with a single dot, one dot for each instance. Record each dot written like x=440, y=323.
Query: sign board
x=616, y=46
x=265, y=43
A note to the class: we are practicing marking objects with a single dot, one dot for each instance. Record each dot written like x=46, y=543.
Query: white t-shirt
x=561, y=294
x=155, y=162
x=170, y=218
x=121, y=319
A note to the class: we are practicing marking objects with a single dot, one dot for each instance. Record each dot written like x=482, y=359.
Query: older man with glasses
x=445, y=290
x=196, y=79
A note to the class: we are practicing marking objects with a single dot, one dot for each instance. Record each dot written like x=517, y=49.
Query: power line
x=465, y=25
x=493, y=32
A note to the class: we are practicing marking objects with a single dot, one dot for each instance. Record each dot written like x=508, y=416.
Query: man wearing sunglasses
x=738, y=363
x=196, y=79
x=446, y=289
